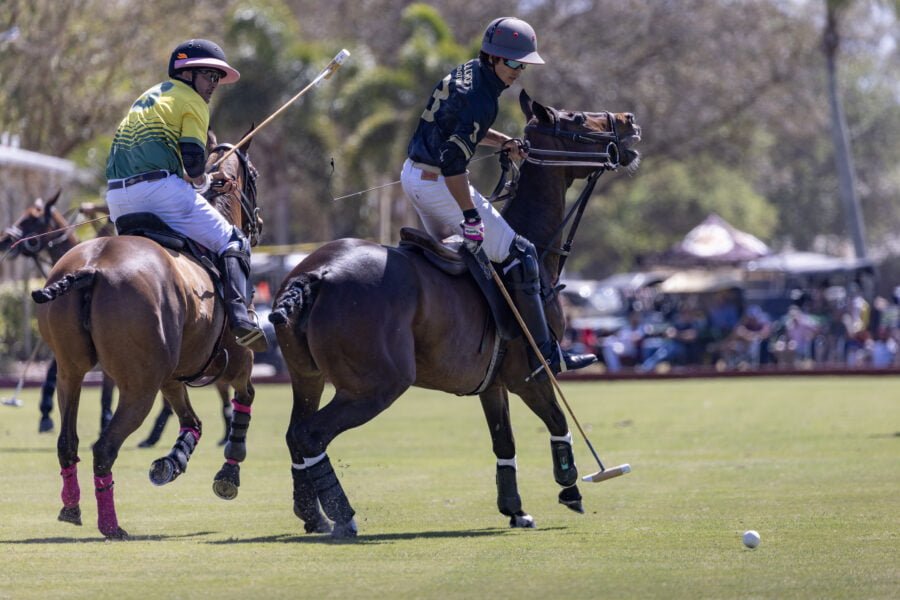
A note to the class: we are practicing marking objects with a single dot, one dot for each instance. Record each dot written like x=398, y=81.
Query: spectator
x=624, y=346
x=856, y=326
x=796, y=340
x=680, y=343
x=745, y=344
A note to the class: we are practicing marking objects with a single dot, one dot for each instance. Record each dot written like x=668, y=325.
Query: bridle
x=247, y=197
x=32, y=245
x=599, y=161
x=608, y=160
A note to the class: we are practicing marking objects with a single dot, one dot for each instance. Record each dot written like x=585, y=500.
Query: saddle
x=449, y=257
x=148, y=225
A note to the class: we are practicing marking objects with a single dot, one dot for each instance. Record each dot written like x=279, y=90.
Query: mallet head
x=608, y=473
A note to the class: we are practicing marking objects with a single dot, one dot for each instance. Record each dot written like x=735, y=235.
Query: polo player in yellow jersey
x=157, y=164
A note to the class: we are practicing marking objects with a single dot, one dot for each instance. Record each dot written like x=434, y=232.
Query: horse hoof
x=163, y=471
x=70, y=515
x=224, y=489
x=570, y=497
x=573, y=505
x=320, y=526
x=46, y=425
x=522, y=520
x=227, y=481
x=344, y=531
x=118, y=535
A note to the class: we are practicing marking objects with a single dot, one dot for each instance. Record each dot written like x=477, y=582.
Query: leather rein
x=608, y=160
x=247, y=198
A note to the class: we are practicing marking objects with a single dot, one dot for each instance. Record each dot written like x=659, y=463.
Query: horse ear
x=534, y=109
x=211, y=140
x=525, y=103
x=49, y=204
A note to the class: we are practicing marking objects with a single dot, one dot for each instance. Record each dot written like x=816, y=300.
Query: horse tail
x=296, y=299
x=68, y=282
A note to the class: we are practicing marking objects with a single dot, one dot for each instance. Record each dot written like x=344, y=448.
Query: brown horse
x=44, y=234
x=151, y=317
x=375, y=320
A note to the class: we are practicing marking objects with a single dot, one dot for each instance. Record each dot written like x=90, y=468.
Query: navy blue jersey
x=461, y=110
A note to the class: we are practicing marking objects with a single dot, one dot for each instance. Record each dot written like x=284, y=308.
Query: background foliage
x=731, y=95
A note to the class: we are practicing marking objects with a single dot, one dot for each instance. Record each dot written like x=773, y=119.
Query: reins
x=247, y=198
x=600, y=161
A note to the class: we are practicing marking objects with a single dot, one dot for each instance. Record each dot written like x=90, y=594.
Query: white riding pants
x=441, y=214
x=175, y=202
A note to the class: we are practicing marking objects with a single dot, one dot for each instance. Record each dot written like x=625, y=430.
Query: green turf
x=813, y=464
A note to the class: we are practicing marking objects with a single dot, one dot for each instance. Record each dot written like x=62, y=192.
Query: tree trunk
x=842, y=156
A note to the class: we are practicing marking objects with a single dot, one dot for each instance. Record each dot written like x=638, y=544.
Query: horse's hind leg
x=133, y=407
x=158, y=425
x=67, y=450
x=307, y=395
x=106, y=397
x=166, y=469
x=312, y=436
x=227, y=410
x=495, y=403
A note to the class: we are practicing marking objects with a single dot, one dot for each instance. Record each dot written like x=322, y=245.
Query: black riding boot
x=523, y=279
x=234, y=280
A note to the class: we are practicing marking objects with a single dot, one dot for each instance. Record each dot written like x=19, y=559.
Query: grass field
x=813, y=464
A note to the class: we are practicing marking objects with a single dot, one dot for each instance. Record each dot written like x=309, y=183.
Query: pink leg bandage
x=106, y=505
x=71, y=493
x=242, y=408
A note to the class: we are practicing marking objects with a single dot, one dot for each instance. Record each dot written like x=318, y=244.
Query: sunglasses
x=514, y=64
x=211, y=74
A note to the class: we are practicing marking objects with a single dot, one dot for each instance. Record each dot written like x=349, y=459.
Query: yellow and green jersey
x=147, y=139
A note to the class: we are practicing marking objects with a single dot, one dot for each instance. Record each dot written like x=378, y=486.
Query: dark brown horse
x=150, y=316
x=44, y=234
x=375, y=320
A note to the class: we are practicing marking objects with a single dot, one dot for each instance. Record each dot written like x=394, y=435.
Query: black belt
x=148, y=176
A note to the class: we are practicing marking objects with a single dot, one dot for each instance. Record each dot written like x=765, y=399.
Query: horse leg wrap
x=331, y=495
x=306, y=503
x=71, y=495
x=508, y=500
x=107, y=521
x=166, y=469
x=236, y=448
x=564, y=470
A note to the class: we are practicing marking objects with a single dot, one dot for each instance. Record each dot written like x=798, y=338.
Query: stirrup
x=561, y=361
x=255, y=338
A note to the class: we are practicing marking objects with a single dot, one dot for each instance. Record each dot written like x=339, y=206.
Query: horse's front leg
x=540, y=398
x=228, y=479
x=227, y=410
x=495, y=403
x=166, y=469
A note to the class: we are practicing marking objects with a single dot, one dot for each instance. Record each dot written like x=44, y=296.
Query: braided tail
x=296, y=299
x=69, y=281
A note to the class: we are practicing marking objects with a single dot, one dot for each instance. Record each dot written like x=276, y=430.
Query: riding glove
x=472, y=231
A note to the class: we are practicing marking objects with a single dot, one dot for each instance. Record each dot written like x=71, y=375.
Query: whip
x=326, y=73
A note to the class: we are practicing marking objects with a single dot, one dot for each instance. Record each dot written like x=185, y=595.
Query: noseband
x=575, y=158
x=247, y=199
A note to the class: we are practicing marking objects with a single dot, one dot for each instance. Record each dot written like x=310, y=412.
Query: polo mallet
x=15, y=400
x=326, y=73
x=603, y=474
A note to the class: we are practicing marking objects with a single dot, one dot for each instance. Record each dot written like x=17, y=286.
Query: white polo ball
x=751, y=539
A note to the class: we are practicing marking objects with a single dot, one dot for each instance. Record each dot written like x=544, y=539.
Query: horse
x=424, y=327
x=44, y=234
x=150, y=315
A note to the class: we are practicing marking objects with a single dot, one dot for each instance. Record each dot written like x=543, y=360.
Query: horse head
x=583, y=142
x=35, y=230
x=239, y=206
